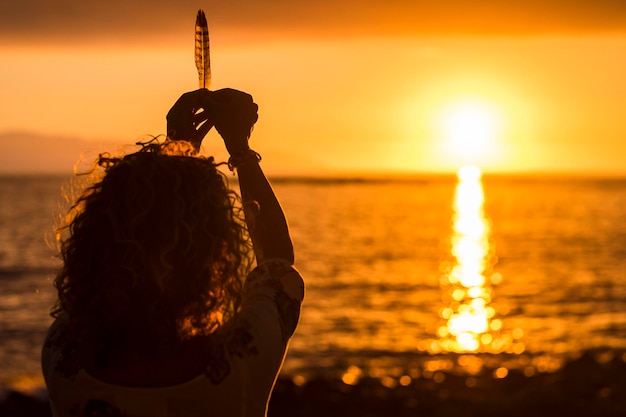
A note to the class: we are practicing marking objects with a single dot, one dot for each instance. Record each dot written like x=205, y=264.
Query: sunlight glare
x=470, y=128
x=471, y=324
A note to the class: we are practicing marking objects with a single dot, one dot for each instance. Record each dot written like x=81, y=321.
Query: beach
x=594, y=384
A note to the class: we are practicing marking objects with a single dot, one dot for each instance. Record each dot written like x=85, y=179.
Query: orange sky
x=343, y=87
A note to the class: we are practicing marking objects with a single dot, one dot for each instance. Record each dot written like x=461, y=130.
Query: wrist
x=243, y=157
x=235, y=150
x=236, y=145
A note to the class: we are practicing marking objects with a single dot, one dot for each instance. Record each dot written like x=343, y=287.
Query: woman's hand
x=234, y=114
x=188, y=119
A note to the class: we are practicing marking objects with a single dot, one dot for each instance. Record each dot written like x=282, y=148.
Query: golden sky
x=343, y=86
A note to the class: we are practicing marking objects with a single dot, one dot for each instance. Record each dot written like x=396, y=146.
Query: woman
x=154, y=317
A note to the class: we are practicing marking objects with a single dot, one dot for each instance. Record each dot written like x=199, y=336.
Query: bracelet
x=240, y=158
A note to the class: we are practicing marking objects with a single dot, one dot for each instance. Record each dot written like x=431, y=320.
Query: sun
x=469, y=128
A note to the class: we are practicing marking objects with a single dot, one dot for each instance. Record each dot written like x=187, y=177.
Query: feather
x=203, y=60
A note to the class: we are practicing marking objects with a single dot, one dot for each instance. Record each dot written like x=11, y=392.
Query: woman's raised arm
x=234, y=114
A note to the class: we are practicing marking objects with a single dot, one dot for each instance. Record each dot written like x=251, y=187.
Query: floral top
x=239, y=377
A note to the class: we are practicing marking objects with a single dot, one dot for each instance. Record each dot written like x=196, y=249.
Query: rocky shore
x=593, y=384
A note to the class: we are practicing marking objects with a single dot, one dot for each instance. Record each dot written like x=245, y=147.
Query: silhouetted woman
x=160, y=311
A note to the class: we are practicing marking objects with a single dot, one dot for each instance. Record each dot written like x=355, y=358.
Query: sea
x=404, y=276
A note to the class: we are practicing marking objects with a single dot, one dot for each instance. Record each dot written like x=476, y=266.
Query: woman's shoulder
x=57, y=354
x=273, y=295
x=279, y=275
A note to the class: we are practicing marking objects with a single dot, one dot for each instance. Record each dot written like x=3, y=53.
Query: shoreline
x=593, y=384
x=584, y=387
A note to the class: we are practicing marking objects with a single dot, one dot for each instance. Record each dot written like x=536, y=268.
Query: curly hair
x=154, y=252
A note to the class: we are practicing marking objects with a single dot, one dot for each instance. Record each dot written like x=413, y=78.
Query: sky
x=344, y=87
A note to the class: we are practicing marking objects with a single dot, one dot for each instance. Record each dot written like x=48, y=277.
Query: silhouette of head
x=154, y=251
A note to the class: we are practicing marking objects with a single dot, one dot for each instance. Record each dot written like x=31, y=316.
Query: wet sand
x=592, y=385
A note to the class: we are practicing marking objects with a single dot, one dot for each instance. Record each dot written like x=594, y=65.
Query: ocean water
x=522, y=270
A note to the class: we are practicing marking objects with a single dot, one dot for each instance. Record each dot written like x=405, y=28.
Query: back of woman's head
x=154, y=252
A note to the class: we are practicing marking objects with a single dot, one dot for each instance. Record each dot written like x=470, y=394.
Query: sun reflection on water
x=472, y=322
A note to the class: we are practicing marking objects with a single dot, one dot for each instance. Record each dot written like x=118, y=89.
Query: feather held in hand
x=203, y=60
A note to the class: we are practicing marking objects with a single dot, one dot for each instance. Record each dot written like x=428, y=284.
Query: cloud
x=71, y=21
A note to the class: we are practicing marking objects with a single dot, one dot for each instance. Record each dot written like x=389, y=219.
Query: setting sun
x=470, y=129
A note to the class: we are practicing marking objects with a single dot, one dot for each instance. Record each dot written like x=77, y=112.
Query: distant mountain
x=33, y=153
x=25, y=153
